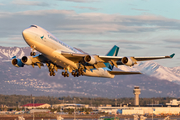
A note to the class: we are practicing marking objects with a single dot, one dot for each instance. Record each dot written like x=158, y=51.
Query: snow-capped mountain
x=153, y=69
x=8, y=52
x=149, y=68
x=29, y=80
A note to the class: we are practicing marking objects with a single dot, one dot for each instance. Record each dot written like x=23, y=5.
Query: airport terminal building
x=141, y=110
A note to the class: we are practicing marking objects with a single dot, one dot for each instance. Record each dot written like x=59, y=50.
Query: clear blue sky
x=138, y=27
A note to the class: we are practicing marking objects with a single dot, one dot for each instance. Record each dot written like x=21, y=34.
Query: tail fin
x=114, y=51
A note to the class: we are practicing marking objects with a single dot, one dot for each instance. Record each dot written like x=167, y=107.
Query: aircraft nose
x=26, y=33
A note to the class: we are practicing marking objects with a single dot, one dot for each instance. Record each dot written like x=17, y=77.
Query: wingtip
x=172, y=55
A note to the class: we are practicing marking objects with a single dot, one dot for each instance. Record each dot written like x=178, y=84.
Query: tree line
x=19, y=100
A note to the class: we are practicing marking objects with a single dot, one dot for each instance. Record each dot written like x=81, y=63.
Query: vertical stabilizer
x=114, y=51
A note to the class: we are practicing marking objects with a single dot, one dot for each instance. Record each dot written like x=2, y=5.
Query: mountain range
x=156, y=80
x=153, y=69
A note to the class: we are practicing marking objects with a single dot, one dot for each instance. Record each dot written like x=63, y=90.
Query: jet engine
x=17, y=63
x=26, y=60
x=89, y=59
x=127, y=61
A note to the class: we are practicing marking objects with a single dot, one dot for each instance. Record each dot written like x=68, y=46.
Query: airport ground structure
x=158, y=111
x=172, y=108
x=36, y=105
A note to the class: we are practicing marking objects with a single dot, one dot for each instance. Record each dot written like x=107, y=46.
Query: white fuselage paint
x=51, y=47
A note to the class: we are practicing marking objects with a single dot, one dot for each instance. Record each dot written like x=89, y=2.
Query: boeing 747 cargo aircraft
x=58, y=55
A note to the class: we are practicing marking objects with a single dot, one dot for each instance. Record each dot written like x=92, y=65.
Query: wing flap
x=75, y=57
x=122, y=73
x=69, y=54
x=109, y=58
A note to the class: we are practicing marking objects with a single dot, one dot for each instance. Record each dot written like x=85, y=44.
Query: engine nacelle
x=90, y=59
x=26, y=60
x=17, y=63
x=127, y=61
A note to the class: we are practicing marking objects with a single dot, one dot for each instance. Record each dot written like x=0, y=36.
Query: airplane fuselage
x=44, y=42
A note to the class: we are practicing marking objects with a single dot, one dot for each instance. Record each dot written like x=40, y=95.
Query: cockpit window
x=33, y=26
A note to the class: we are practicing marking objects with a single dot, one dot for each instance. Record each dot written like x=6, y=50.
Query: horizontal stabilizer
x=122, y=72
x=14, y=57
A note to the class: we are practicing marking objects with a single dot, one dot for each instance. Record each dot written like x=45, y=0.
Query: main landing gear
x=78, y=73
x=65, y=74
x=75, y=73
x=52, y=73
x=51, y=69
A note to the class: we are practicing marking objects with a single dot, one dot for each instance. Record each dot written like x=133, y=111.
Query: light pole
x=115, y=108
x=33, y=106
x=75, y=109
x=152, y=109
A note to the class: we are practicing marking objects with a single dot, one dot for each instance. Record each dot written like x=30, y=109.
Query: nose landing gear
x=32, y=53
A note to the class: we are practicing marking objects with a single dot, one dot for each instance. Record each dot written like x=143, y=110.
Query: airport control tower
x=136, y=92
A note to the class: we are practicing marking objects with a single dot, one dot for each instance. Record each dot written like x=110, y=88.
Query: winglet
x=14, y=57
x=172, y=55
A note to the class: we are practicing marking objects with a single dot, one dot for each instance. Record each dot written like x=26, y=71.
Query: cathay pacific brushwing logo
x=42, y=37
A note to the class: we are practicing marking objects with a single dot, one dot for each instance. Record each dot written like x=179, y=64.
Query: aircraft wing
x=37, y=60
x=116, y=58
x=122, y=72
x=153, y=58
x=130, y=61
